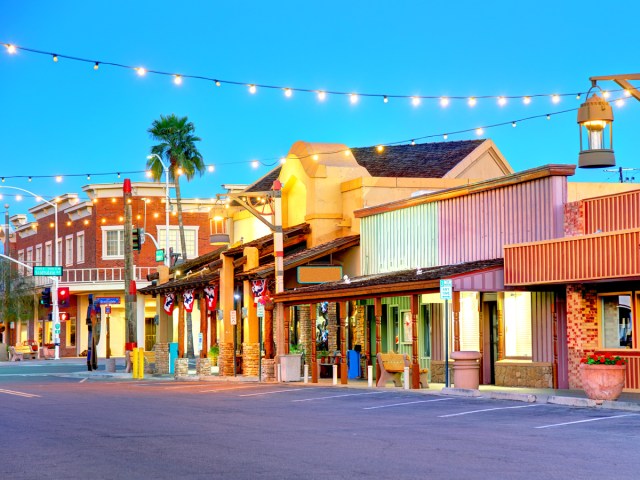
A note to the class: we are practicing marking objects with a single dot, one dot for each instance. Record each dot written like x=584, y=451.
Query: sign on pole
x=260, y=311
x=47, y=271
x=446, y=289
x=160, y=255
x=233, y=317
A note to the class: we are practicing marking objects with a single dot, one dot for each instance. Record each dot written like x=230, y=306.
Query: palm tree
x=178, y=149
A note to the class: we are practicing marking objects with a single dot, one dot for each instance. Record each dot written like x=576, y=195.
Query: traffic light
x=64, y=316
x=45, y=297
x=63, y=297
x=135, y=235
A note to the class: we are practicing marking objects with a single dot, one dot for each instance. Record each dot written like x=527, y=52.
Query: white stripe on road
x=589, y=420
x=336, y=396
x=83, y=380
x=185, y=386
x=487, y=410
x=19, y=394
x=406, y=403
x=225, y=389
x=269, y=393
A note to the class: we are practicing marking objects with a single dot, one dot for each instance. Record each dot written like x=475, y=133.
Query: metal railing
x=101, y=275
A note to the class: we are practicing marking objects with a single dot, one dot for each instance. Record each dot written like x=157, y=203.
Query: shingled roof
x=403, y=282
x=266, y=182
x=423, y=160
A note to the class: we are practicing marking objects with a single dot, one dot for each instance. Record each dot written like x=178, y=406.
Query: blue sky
x=66, y=118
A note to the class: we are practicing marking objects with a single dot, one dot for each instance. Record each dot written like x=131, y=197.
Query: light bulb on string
x=252, y=89
x=58, y=178
x=445, y=136
x=255, y=164
x=288, y=92
x=548, y=117
x=55, y=57
x=502, y=101
x=118, y=174
x=141, y=71
x=578, y=96
x=526, y=100
x=210, y=168
x=385, y=99
x=29, y=179
x=283, y=161
x=606, y=94
x=415, y=101
x=627, y=93
x=555, y=98
x=444, y=102
x=322, y=95
x=413, y=142
x=177, y=79
x=620, y=102
x=479, y=131
x=315, y=157
x=96, y=66
x=353, y=98
x=217, y=83
x=88, y=176
x=513, y=124
x=472, y=102
x=11, y=48
x=19, y=198
x=380, y=148
x=148, y=173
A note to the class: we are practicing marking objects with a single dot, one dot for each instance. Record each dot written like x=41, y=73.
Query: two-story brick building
x=90, y=248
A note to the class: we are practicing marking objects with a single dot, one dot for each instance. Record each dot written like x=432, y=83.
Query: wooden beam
x=378, y=314
x=343, y=342
x=415, y=366
x=455, y=308
x=313, y=312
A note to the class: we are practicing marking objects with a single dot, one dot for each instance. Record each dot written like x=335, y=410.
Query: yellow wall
x=581, y=190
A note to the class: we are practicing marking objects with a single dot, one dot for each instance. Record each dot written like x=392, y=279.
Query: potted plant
x=603, y=376
x=291, y=364
x=213, y=353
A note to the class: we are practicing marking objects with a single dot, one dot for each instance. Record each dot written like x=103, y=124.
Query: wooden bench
x=392, y=367
x=15, y=356
x=27, y=350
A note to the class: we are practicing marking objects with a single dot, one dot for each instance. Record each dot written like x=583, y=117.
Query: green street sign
x=160, y=255
x=50, y=271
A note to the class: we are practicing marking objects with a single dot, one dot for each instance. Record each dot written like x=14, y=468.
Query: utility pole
x=129, y=283
x=7, y=277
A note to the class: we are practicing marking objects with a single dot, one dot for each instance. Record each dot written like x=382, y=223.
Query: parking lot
x=244, y=430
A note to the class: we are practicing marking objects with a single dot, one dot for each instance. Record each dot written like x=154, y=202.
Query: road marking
x=589, y=420
x=185, y=386
x=83, y=380
x=274, y=391
x=487, y=410
x=336, y=396
x=225, y=389
x=19, y=394
x=407, y=403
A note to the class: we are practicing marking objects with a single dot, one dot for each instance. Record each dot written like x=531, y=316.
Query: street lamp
x=166, y=206
x=595, y=114
x=54, y=294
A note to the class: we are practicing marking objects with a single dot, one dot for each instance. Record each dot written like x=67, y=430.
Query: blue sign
x=106, y=300
x=446, y=289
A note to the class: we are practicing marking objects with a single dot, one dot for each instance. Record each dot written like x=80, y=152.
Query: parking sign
x=446, y=289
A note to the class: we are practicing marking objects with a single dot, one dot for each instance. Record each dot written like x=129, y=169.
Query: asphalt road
x=65, y=427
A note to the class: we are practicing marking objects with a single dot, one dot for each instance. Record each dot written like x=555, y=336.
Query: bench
x=27, y=350
x=392, y=367
x=149, y=361
x=15, y=356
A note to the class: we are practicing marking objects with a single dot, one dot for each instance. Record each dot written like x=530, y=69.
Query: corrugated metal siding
x=615, y=212
x=612, y=255
x=632, y=373
x=542, y=326
x=400, y=239
x=475, y=227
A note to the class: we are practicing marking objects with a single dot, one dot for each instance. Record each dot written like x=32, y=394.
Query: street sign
x=233, y=316
x=105, y=300
x=260, y=311
x=446, y=289
x=200, y=338
x=107, y=309
x=160, y=255
x=47, y=271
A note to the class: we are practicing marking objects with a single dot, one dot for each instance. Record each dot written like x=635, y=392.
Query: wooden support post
x=367, y=343
x=287, y=318
x=554, y=320
x=500, y=326
x=378, y=314
x=481, y=335
x=455, y=308
x=204, y=327
x=268, y=330
x=415, y=365
x=313, y=312
x=180, y=328
x=344, y=306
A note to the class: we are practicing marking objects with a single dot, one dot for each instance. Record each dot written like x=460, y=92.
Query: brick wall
x=582, y=328
x=574, y=219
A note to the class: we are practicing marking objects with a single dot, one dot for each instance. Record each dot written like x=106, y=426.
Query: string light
x=548, y=117
x=555, y=98
x=380, y=148
x=353, y=98
x=502, y=101
x=88, y=176
x=627, y=93
x=96, y=66
x=472, y=102
x=620, y=102
x=415, y=101
x=12, y=49
x=210, y=168
x=385, y=99
x=255, y=164
x=288, y=92
x=315, y=157
x=55, y=57
x=177, y=79
x=479, y=131
x=605, y=94
x=513, y=124
x=526, y=100
x=58, y=178
x=444, y=101
x=445, y=136
x=30, y=179
x=322, y=95
x=283, y=161
x=413, y=142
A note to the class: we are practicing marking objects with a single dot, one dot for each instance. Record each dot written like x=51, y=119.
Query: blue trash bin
x=173, y=354
x=353, y=364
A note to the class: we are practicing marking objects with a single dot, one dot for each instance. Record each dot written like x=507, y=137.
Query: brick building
x=90, y=248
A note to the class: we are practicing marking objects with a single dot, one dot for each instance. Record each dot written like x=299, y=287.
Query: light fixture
x=283, y=160
x=315, y=157
x=605, y=94
x=555, y=98
x=148, y=174
x=413, y=142
x=347, y=152
x=444, y=101
x=86, y=222
x=96, y=66
x=217, y=83
x=548, y=117
x=288, y=92
x=595, y=114
x=19, y=198
x=179, y=171
x=472, y=101
x=141, y=71
x=211, y=168
x=55, y=57
x=177, y=79
x=620, y=102
x=415, y=101
x=255, y=164
x=353, y=98
x=29, y=178
x=627, y=93
x=252, y=89
x=479, y=131
x=526, y=100
x=513, y=124
x=502, y=101
x=322, y=95
x=380, y=148
x=445, y=136
x=58, y=179
x=11, y=48
x=118, y=174
x=385, y=99
x=88, y=176
x=578, y=96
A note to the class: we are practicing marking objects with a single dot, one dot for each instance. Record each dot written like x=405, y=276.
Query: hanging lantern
x=218, y=226
x=595, y=115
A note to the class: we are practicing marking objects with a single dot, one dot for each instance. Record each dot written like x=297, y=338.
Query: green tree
x=17, y=295
x=178, y=149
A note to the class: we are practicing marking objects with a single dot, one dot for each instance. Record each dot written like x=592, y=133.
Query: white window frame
x=48, y=253
x=68, y=250
x=21, y=260
x=176, y=247
x=111, y=228
x=518, y=325
x=80, y=247
x=28, y=259
x=39, y=255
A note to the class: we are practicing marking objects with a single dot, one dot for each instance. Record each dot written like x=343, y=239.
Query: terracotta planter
x=602, y=382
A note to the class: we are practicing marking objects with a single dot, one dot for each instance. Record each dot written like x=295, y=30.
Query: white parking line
x=487, y=410
x=589, y=420
x=269, y=393
x=336, y=396
x=185, y=386
x=83, y=380
x=407, y=403
x=19, y=394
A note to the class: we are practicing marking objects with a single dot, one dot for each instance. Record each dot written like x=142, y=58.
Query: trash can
x=353, y=364
x=466, y=369
x=173, y=354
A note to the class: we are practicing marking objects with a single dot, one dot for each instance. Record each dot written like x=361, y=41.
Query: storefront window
x=517, y=324
x=469, y=321
x=617, y=321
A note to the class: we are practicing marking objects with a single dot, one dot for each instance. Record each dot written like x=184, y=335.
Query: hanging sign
x=446, y=289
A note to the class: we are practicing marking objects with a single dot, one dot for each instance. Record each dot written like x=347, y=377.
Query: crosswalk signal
x=45, y=297
x=135, y=236
x=63, y=296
